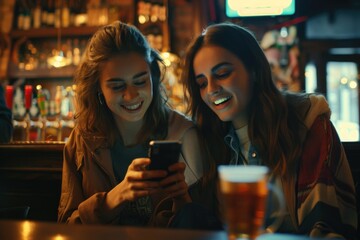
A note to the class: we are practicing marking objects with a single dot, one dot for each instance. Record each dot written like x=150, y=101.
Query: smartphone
x=163, y=153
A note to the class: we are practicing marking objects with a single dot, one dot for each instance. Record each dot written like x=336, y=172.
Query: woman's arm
x=192, y=156
x=107, y=201
x=326, y=202
x=71, y=190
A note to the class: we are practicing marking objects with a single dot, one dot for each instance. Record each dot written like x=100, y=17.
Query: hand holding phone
x=163, y=153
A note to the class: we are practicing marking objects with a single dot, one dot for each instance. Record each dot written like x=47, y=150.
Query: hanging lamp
x=59, y=60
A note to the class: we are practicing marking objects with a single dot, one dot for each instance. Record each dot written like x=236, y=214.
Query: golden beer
x=244, y=193
x=244, y=208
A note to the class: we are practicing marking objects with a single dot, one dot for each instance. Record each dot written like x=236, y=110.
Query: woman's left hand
x=174, y=184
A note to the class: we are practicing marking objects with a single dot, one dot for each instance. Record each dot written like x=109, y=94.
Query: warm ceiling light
x=59, y=60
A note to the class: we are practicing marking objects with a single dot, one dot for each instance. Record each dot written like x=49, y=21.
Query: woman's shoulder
x=308, y=106
x=79, y=139
x=177, y=118
x=178, y=125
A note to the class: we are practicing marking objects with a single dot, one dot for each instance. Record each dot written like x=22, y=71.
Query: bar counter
x=30, y=175
x=25, y=230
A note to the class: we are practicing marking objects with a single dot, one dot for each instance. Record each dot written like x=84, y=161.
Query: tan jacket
x=88, y=172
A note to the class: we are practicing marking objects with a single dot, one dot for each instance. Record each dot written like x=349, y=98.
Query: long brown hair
x=95, y=118
x=272, y=125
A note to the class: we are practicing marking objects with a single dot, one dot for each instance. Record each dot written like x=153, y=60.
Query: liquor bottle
x=58, y=99
x=69, y=51
x=72, y=8
x=37, y=15
x=67, y=113
x=35, y=123
x=81, y=16
x=18, y=104
x=92, y=10
x=143, y=12
x=76, y=52
x=154, y=12
x=113, y=13
x=19, y=112
x=52, y=125
x=57, y=20
x=65, y=14
x=103, y=13
x=28, y=101
x=27, y=17
x=67, y=104
x=42, y=104
x=162, y=13
x=9, y=96
x=20, y=17
x=51, y=14
x=51, y=129
x=44, y=13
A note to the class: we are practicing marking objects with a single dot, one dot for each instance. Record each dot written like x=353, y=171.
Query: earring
x=101, y=98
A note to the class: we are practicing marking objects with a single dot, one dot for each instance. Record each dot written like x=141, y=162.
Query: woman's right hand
x=136, y=183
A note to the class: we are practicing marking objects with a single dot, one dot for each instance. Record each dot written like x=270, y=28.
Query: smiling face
x=125, y=81
x=224, y=83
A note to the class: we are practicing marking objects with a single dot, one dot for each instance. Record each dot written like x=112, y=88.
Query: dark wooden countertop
x=30, y=175
x=15, y=230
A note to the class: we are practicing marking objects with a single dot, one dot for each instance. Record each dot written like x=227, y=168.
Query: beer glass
x=244, y=191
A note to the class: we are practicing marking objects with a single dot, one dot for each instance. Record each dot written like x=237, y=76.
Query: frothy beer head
x=241, y=173
x=235, y=176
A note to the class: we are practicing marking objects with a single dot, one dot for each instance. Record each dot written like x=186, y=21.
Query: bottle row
x=59, y=13
x=38, y=54
x=66, y=13
x=149, y=12
x=32, y=54
x=41, y=130
x=39, y=117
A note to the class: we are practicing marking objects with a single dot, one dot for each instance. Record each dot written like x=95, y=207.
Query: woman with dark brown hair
x=245, y=119
x=120, y=108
